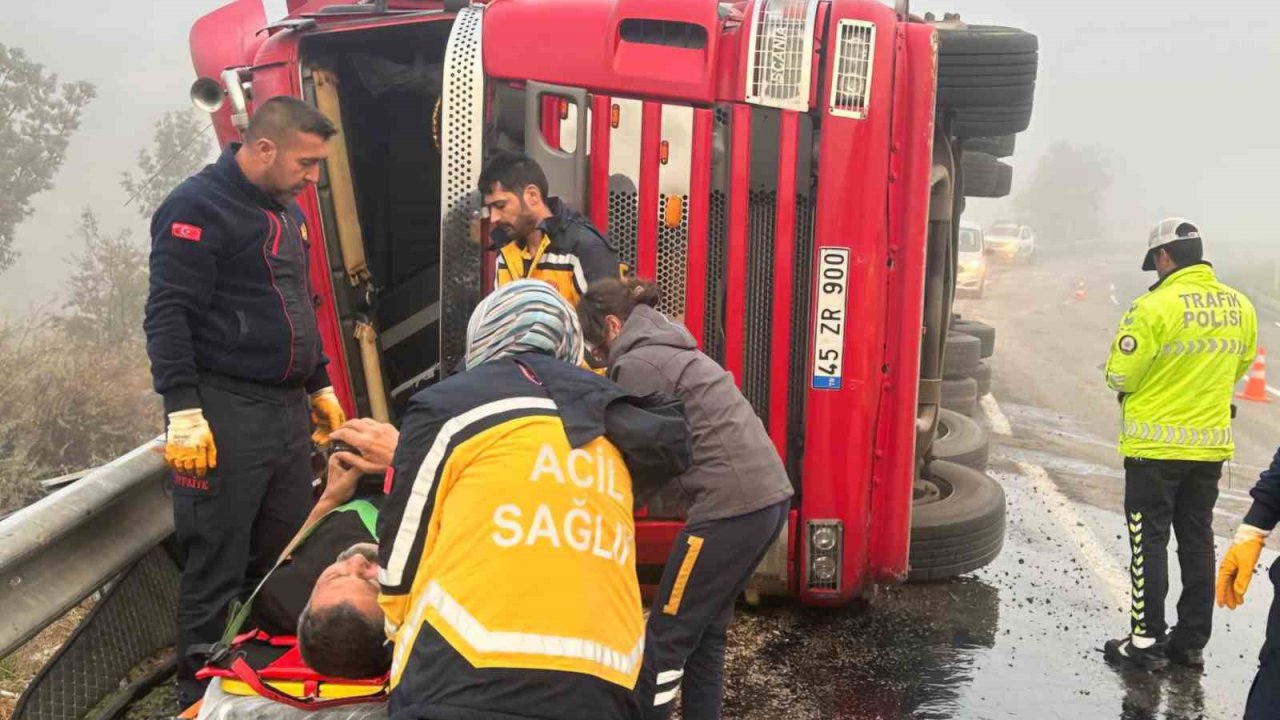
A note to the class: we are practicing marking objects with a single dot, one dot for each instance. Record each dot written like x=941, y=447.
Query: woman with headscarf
x=737, y=488
x=507, y=542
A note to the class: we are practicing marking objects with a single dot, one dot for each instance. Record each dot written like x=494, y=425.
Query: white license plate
x=832, y=315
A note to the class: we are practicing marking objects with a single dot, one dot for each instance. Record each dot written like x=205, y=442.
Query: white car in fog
x=971, y=280
x=1011, y=241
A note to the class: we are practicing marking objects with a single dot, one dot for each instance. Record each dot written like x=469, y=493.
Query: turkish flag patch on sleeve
x=183, y=231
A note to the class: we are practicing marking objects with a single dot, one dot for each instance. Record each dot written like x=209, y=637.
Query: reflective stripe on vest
x=484, y=640
x=1210, y=346
x=1175, y=435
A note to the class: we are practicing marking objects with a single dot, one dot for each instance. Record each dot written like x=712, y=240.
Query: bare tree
x=180, y=148
x=1065, y=200
x=38, y=116
x=108, y=287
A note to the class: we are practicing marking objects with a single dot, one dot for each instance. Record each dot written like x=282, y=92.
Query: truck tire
x=985, y=66
x=985, y=333
x=957, y=522
x=1000, y=147
x=983, y=378
x=983, y=122
x=984, y=176
x=960, y=395
x=961, y=440
x=961, y=355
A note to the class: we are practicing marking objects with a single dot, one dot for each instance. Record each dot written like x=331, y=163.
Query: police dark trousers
x=1264, y=696
x=1160, y=494
x=233, y=523
x=709, y=567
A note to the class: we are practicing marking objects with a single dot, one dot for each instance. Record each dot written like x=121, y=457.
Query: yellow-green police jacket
x=1176, y=359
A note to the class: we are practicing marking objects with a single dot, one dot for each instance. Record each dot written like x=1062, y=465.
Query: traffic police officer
x=1175, y=360
x=537, y=236
x=235, y=350
x=1233, y=580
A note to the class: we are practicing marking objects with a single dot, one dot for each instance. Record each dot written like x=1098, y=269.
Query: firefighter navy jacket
x=230, y=291
x=1265, y=511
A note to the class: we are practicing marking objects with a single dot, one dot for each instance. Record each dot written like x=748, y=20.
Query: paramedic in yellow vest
x=507, y=544
x=537, y=236
x=1175, y=361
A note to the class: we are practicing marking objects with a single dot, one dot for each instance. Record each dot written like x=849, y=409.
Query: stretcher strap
x=250, y=677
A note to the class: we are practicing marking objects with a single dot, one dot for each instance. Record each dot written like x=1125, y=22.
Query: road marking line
x=995, y=417
x=1273, y=391
x=1073, y=526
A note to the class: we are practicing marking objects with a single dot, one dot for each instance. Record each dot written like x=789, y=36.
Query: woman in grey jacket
x=737, y=486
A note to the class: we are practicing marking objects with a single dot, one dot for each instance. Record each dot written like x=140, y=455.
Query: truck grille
x=624, y=218
x=803, y=288
x=713, y=325
x=780, y=53
x=854, y=62
x=673, y=253
x=762, y=209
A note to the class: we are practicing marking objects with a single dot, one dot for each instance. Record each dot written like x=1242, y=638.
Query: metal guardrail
x=59, y=550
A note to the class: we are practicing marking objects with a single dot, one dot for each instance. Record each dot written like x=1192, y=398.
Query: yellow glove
x=1237, y=566
x=326, y=415
x=189, y=444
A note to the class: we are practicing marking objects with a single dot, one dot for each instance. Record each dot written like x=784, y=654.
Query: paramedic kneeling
x=507, y=541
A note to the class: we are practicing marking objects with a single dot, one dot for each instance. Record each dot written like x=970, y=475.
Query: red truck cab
x=774, y=164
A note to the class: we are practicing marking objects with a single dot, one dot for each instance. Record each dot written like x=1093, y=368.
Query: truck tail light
x=852, y=69
x=826, y=545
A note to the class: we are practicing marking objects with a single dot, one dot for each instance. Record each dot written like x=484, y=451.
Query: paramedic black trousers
x=1160, y=494
x=684, y=642
x=1264, y=696
x=232, y=524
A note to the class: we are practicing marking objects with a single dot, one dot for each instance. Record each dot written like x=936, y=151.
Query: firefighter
x=1175, y=360
x=507, y=545
x=236, y=353
x=537, y=236
x=1233, y=581
x=737, y=486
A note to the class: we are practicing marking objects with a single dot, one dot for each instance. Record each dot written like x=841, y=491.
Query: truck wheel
x=985, y=66
x=960, y=395
x=983, y=378
x=1000, y=147
x=962, y=354
x=961, y=441
x=984, y=176
x=983, y=122
x=985, y=333
x=957, y=522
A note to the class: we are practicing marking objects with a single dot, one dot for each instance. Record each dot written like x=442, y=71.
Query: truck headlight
x=826, y=538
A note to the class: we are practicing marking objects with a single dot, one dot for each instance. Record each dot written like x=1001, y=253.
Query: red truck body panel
x=851, y=445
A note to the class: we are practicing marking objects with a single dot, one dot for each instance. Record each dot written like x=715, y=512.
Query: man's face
x=352, y=579
x=509, y=212
x=291, y=165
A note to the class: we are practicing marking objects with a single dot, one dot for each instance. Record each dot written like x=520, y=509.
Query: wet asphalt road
x=1022, y=637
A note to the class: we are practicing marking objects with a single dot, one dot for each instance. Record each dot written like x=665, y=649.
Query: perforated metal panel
x=624, y=218
x=673, y=256
x=762, y=216
x=461, y=149
x=802, y=292
x=132, y=621
x=853, y=66
x=717, y=225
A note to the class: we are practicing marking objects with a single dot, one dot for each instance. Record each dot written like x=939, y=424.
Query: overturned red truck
x=787, y=169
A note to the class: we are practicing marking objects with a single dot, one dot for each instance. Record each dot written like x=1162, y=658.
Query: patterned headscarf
x=520, y=317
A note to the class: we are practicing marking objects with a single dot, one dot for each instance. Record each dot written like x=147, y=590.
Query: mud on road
x=1022, y=637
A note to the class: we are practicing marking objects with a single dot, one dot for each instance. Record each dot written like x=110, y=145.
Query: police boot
x=1124, y=652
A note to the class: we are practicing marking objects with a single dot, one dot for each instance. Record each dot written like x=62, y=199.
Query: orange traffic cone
x=1255, y=387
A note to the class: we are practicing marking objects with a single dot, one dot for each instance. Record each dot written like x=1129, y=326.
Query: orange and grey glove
x=189, y=447
x=1237, y=566
x=326, y=415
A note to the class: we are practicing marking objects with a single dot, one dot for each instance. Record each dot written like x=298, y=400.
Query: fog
x=1179, y=96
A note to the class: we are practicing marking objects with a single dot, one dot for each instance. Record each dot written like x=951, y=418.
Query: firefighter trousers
x=231, y=525
x=1264, y=696
x=708, y=569
x=1160, y=494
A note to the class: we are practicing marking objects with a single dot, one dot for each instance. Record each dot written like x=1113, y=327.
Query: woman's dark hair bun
x=644, y=292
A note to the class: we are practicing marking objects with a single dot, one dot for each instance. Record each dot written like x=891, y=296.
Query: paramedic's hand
x=189, y=444
x=375, y=441
x=340, y=486
x=326, y=415
x=1237, y=566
